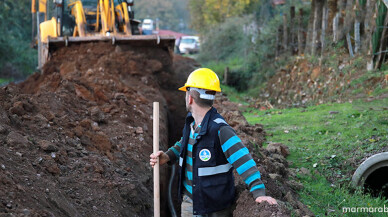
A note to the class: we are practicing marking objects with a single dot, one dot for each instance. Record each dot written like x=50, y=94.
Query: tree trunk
x=285, y=33
x=325, y=17
x=278, y=36
x=332, y=12
x=292, y=30
x=350, y=47
x=371, y=27
x=339, y=29
x=349, y=19
x=310, y=28
x=369, y=21
x=316, y=26
x=383, y=44
x=300, y=33
x=357, y=36
x=336, y=27
x=357, y=23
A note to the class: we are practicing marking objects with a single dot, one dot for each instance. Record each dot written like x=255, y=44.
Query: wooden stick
x=156, y=167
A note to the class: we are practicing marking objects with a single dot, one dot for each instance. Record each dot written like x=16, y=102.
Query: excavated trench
x=176, y=112
x=76, y=139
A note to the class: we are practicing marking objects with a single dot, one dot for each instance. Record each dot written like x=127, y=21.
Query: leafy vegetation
x=382, y=10
x=15, y=39
x=235, y=42
x=226, y=41
x=4, y=81
x=330, y=140
x=205, y=14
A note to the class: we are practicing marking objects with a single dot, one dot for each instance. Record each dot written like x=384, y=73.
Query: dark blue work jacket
x=213, y=181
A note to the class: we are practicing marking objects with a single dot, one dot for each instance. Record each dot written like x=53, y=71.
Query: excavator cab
x=83, y=21
x=123, y=13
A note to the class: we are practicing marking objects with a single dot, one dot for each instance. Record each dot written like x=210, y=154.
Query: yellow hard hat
x=203, y=78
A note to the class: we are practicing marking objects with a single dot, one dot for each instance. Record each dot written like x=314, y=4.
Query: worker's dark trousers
x=187, y=210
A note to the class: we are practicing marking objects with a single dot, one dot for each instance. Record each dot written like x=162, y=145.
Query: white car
x=147, y=26
x=189, y=44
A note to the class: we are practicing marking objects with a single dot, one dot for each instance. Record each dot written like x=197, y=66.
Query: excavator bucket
x=165, y=43
x=95, y=21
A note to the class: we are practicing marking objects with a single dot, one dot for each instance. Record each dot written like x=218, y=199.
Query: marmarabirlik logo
x=205, y=155
x=365, y=209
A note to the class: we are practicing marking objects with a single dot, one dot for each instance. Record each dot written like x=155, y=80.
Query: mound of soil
x=302, y=83
x=76, y=139
x=272, y=165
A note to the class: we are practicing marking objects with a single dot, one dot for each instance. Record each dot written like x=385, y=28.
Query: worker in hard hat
x=207, y=153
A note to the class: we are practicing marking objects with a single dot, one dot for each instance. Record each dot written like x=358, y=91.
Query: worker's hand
x=163, y=158
x=269, y=200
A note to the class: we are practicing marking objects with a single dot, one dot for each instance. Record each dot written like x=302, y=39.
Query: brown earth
x=78, y=136
x=302, y=83
x=76, y=139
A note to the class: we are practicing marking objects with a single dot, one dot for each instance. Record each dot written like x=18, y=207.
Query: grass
x=219, y=66
x=4, y=81
x=330, y=145
x=234, y=95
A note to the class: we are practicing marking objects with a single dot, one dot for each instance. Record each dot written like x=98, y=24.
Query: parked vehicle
x=147, y=26
x=189, y=44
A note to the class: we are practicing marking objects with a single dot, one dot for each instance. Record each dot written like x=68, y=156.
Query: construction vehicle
x=84, y=21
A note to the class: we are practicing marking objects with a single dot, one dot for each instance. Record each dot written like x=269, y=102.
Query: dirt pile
x=272, y=165
x=75, y=140
x=303, y=83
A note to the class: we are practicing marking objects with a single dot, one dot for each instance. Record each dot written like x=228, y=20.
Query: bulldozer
x=86, y=21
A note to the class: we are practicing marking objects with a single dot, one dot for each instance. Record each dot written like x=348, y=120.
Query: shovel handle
x=156, y=167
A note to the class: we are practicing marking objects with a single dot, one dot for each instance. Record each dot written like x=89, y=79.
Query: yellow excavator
x=84, y=21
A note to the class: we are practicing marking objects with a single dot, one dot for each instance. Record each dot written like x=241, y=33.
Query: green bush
x=228, y=45
x=15, y=39
x=253, y=49
x=224, y=41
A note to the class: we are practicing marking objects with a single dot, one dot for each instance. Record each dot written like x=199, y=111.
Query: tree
x=15, y=25
x=317, y=24
x=310, y=28
x=207, y=13
x=349, y=19
x=171, y=13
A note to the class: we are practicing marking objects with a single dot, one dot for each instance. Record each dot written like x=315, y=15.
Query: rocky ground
x=76, y=139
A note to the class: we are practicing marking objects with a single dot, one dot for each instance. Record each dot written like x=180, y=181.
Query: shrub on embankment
x=17, y=58
x=277, y=36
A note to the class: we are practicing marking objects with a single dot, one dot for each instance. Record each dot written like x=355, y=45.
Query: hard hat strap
x=203, y=94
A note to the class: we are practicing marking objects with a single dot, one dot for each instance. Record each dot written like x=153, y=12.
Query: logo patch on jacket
x=205, y=155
